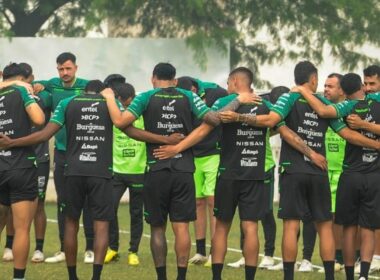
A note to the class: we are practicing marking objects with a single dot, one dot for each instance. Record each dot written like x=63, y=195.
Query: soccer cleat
x=266, y=262
x=305, y=266
x=338, y=266
x=133, y=259
x=357, y=267
x=198, y=259
x=277, y=267
x=111, y=256
x=8, y=255
x=375, y=266
x=237, y=264
x=89, y=257
x=57, y=258
x=38, y=256
x=209, y=262
x=362, y=278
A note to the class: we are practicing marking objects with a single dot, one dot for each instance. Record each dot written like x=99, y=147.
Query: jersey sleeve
x=121, y=107
x=26, y=97
x=284, y=104
x=222, y=102
x=337, y=124
x=198, y=107
x=140, y=103
x=46, y=98
x=344, y=108
x=59, y=113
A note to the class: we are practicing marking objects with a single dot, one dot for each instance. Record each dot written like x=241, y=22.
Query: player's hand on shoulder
x=28, y=87
x=249, y=97
x=108, y=93
x=37, y=87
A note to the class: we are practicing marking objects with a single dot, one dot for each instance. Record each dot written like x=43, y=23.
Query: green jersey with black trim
x=129, y=155
x=57, y=92
x=335, y=150
x=243, y=147
x=357, y=158
x=15, y=123
x=311, y=128
x=166, y=111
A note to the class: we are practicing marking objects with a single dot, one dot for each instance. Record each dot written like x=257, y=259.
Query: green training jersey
x=129, y=155
x=335, y=147
x=58, y=92
x=269, y=162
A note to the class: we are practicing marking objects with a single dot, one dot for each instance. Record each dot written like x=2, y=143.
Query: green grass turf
x=120, y=269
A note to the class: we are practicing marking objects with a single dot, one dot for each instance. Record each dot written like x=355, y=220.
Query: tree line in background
x=257, y=31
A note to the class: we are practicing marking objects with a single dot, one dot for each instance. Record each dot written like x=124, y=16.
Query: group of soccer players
x=190, y=150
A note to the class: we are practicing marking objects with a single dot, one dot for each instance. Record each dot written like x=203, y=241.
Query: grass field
x=120, y=269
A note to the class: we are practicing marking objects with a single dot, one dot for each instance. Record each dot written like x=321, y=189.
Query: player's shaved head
x=243, y=74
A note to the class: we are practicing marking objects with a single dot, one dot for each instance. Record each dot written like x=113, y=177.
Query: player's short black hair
x=27, y=69
x=113, y=79
x=12, y=70
x=245, y=71
x=303, y=72
x=124, y=91
x=351, y=83
x=276, y=92
x=186, y=82
x=336, y=75
x=63, y=57
x=164, y=71
x=94, y=86
x=372, y=70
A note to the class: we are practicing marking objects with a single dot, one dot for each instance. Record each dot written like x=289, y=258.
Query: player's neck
x=69, y=84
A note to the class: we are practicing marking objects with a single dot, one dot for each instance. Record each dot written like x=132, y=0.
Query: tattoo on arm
x=300, y=144
x=232, y=106
x=248, y=119
x=212, y=118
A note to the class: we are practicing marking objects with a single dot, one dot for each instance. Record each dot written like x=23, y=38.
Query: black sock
x=288, y=270
x=250, y=272
x=181, y=273
x=96, y=271
x=217, y=271
x=357, y=254
x=329, y=269
x=18, y=273
x=89, y=243
x=9, y=242
x=72, y=272
x=339, y=256
x=201, y=246
x=62, y=246
x=364, y=269
x=161, y=273
x=349, y=272
x=39, y=244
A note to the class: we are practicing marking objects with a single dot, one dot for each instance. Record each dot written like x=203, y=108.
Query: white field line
x=228, y=249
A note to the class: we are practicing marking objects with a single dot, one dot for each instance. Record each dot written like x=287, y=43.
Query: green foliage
x=257, y=31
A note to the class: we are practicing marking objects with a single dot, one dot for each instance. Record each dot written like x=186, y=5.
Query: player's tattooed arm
x=269, y=120
x=298, y=144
